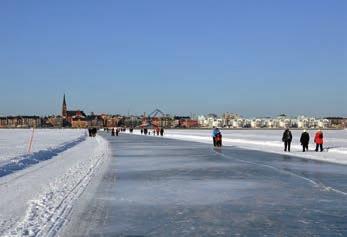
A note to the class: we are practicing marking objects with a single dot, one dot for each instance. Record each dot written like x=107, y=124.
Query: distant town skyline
x=184, y=57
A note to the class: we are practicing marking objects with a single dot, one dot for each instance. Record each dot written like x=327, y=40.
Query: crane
x=147, y=121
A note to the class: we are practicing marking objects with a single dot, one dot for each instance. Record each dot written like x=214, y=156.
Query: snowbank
x=270, y=141
x=25, y=161
x=37, y=201
x=14, y=142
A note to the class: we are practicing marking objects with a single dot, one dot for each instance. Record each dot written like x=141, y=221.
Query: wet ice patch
x=187, y=192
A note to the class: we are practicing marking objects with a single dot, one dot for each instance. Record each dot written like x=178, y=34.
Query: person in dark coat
x=141, y=131
x=93, y=132
x=305, y=140
x=162, y=132
x=145, y=131
x=287, y=139
x=113, y=132
x=218, y=139
x=117, y=132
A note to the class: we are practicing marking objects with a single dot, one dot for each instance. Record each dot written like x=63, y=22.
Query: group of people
x=287, y=138
x=116, y=131
x=304, y=140
x=157, y=131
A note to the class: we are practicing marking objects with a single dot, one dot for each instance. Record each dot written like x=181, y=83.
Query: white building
x=300, y=122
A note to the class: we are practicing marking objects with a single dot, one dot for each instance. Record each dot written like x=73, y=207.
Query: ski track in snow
x=47, y=213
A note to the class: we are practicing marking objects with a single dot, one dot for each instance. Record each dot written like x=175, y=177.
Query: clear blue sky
x=254, y=58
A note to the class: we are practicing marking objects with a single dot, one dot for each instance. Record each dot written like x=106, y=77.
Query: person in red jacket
x=318, y=139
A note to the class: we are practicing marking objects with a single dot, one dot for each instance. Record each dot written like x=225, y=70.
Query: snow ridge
x=25, y=161
x=46, y=215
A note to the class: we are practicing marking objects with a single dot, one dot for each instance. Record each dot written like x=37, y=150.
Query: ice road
x=162, y=187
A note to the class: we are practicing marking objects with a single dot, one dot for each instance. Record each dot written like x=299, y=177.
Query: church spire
x=64, y=109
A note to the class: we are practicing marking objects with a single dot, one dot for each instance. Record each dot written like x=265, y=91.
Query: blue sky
x=254, y=58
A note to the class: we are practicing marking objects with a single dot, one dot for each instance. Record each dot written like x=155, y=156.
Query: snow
x=15, y=142
x=270, y=141
x=37, y=199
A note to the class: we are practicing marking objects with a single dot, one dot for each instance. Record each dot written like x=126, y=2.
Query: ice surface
x=170, y=187
x=270, y=141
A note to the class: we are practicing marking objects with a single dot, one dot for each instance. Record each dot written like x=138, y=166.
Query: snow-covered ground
x=15, y=142
x=270, y=141
x=36, y=199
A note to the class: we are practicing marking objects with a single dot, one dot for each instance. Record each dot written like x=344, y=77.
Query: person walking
x=94, y=131
x=162, y=132
x=287, y=139
x=305, y=140
x=319, y=140
x=215, y=132
x=218, y=139
x=113, y=132
x=141, y=131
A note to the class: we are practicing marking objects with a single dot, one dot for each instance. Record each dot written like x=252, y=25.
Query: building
x=20, y=122
x=337, y=122
x=95, y=121
x=52, y=121
x=229, y=118
x=77, y=119
x=189, y=123
x=73, y=118
x=111, y=121
x=184, y=122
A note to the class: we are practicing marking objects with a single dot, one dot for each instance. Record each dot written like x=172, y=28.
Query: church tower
x=64, y=109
